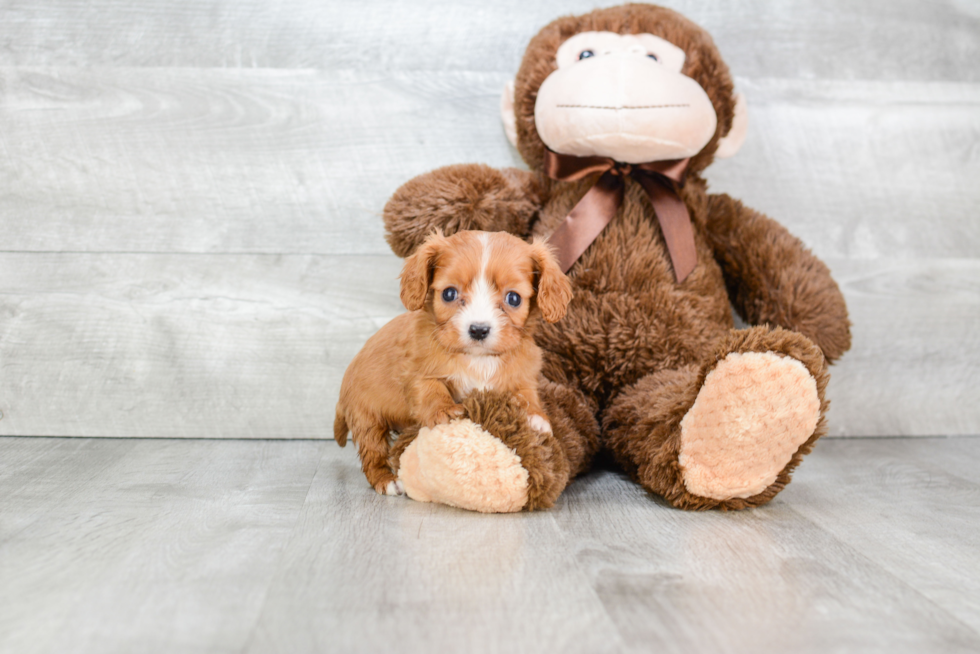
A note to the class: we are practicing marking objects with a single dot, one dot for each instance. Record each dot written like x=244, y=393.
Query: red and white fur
x=473, y=300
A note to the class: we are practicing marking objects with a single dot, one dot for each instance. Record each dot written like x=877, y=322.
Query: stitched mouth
x=647, y=106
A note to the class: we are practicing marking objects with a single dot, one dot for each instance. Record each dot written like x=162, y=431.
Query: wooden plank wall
x=190, y=194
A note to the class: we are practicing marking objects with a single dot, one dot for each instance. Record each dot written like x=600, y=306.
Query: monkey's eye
x=653, y=56
x=513, y=299
x=585, y=54
x=449, y=295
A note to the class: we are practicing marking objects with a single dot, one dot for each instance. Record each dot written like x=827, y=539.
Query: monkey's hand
x=773, y=278
x=461, y=197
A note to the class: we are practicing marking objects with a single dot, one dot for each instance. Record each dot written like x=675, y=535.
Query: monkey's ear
x=417, y=273
x=554, y=290
x=507, y=113
x=731, y=142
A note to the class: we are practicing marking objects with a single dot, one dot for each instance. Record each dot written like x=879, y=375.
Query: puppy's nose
x=479, y=331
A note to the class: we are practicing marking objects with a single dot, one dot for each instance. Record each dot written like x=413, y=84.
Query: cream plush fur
x=464, y=466
x=751, y=415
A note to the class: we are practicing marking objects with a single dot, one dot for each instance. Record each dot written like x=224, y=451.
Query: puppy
x=473, y=300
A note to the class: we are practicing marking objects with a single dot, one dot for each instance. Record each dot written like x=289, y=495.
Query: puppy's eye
x=653, y=56
x=513, y=299
x=449, y=295
x=585, y=54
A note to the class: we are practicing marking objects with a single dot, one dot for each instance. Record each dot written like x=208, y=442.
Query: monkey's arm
x=772, y=278
x=456, y=198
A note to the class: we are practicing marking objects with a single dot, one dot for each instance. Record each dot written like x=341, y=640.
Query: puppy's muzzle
x=479, y=331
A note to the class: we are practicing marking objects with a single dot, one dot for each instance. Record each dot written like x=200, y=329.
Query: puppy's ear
x=553, y=287
x=417, y=273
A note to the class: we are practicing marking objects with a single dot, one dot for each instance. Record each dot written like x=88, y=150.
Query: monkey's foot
x=751, y=415
x=462, y=465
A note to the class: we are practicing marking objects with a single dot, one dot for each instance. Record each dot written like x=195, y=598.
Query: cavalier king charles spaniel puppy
x=473, y=300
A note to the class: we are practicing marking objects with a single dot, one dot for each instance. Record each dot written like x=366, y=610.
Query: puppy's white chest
x=478, y=375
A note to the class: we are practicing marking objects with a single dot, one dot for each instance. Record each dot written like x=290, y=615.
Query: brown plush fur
x=804, y=297
x=643, y=424
x=542, y=454
x=497, y=201
x=635, y=346
x=574, y=424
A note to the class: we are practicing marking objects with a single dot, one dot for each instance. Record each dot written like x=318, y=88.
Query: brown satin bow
x=660, y=179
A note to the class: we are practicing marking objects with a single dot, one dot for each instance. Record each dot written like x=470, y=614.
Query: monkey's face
x=623, y=96
x=634, y=83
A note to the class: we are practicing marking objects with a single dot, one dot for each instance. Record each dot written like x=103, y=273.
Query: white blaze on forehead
x=484, y=254
x=481, y=302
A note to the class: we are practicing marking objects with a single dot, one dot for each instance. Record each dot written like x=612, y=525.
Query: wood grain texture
x=152, y=545
x=914, y=368
x=129, y=160
x=366, y=573
x=749, y=581
x=231, y=346
x=862, y=170
x=178, y=182
x=184, y=346
x=158, y=545
x=829, y=39
x=913, y=497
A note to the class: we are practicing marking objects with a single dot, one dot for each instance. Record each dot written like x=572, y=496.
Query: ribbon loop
x=583, y=224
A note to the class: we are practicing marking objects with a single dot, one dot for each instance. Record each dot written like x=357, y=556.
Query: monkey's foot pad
x=462, y=465
x=750, y=416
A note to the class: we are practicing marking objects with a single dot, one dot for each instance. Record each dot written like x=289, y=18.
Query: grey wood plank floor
x=158, y=545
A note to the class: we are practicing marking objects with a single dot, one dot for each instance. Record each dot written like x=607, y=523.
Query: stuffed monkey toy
x=617, y=113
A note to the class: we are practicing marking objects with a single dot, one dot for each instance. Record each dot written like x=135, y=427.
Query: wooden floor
x=191, y=247
x=133, y=545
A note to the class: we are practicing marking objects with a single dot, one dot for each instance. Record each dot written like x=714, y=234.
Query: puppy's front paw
x=539, y=423
x=391, y=487
x=443, y=415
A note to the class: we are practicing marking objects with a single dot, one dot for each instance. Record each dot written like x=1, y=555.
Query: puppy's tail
x=340, y=427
